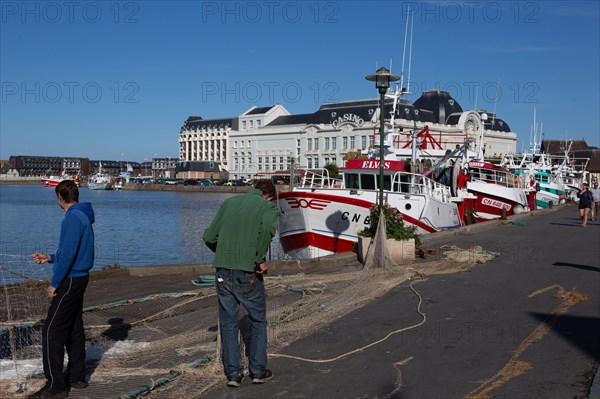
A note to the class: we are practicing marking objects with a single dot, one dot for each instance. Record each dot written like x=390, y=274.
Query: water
x=132, y=228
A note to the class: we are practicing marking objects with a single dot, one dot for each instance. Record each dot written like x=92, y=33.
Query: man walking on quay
x=240, y=235
x=63, y=326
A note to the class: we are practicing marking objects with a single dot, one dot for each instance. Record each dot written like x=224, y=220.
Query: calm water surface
x=132, y=228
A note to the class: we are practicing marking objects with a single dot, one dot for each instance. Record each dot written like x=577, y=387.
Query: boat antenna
x=404, y=50
x=410, y=51
x=495, y=103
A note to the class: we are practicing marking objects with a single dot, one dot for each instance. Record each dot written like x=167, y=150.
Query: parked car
x=190, y=182
x=171, y=182
x=205, y=182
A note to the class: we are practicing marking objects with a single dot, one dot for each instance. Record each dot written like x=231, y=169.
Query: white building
x=267, y=140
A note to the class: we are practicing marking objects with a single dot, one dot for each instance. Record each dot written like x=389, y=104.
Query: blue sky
x=116, y=80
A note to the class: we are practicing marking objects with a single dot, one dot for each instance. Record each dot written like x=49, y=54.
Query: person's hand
x=262, y=268
x=40, y=258
x=51, y=291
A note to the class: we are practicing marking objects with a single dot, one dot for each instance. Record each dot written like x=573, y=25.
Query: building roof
x=258, y=111
x=440, y=103
x=558, y=147
x=345, y=111
x=196, y=122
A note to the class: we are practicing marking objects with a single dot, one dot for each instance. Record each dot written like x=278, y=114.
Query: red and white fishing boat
x=53, y=181
x=322, y=216
x=498, y=192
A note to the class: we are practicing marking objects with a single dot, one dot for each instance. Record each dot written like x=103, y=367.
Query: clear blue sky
x=116, y=80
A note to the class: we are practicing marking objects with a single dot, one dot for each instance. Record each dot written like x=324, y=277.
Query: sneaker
x=262, y=377
x=234, y=380
x=48, y=393
x=79, y=384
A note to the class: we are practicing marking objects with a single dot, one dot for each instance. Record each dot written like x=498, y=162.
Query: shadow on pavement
x=580, y=331
x=576, y=266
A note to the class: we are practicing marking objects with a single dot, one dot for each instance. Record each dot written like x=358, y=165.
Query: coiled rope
x=362, y=348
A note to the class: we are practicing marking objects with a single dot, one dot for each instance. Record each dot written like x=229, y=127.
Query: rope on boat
x=146, y=389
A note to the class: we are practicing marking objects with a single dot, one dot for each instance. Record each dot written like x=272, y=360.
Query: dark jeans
x=64, y=328
x=235, y=287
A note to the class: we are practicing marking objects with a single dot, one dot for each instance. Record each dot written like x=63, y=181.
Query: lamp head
x=382, y=79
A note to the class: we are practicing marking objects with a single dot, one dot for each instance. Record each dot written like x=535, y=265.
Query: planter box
x=400, y=252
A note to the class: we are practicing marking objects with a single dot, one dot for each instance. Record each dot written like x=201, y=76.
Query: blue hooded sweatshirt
x=75, y=254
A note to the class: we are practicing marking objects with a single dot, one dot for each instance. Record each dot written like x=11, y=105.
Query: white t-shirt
x=595, y=193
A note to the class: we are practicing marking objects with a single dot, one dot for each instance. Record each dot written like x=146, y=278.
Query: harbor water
x=132, y=228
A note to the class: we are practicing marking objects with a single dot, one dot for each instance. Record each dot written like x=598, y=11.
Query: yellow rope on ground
x=281, y=355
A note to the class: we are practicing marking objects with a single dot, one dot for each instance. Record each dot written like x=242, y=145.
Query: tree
x=333, y=169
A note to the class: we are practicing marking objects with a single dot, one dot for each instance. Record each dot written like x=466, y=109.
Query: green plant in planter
x=395, y=228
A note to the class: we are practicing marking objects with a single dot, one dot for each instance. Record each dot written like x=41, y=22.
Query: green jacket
x=241, y=231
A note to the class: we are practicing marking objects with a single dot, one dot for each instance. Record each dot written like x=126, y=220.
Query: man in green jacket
x=240, y=235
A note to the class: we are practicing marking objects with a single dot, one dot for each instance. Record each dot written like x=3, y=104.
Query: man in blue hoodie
x=64, y=325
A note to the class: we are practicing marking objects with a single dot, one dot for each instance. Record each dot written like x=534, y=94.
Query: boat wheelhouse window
x=387, y=182
x=367, y=182
x=351, y=180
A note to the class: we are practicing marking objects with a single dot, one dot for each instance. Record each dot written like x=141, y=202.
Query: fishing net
x=24, y=305
x=166, y=345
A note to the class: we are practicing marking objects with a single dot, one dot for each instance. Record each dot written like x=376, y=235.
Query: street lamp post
x=382, y=80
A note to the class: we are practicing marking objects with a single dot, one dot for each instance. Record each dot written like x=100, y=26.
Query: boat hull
x=319, y=222
x=493, y=200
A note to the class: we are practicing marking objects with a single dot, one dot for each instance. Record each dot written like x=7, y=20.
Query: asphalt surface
x=498, y=331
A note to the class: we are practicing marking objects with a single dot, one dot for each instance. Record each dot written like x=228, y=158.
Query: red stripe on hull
x=355, y=202
x=328, y=197
x=304, y=240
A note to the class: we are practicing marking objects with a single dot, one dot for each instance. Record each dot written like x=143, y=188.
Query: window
x=251, y=124
x=367, y=182
x=333, y=143
x=273, y=159
x=235, y=144
x=344, y=143
x=363, y=142
x=281, y=159
x=259, y=160
x=316, y=162
x=258, y=123
x=309, y=144
x=352, y=143
x=326, y=143
x=371, y=140
x=309, y=162
x=317, y=144
x=351, y=180
x=243, y=125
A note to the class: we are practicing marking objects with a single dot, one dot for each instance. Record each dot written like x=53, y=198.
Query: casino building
x=267, y=140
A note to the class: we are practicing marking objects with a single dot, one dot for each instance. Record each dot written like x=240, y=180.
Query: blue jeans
x=235, y=287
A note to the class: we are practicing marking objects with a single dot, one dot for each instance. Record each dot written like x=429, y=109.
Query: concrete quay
x=525, y=325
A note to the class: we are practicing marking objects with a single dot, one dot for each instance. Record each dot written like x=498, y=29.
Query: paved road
x=499, y=331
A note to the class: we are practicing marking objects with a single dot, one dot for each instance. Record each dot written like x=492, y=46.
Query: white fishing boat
x=100, y=180
x=323, y=215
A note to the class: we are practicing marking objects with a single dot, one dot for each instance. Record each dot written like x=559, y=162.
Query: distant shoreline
x=162, y=187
